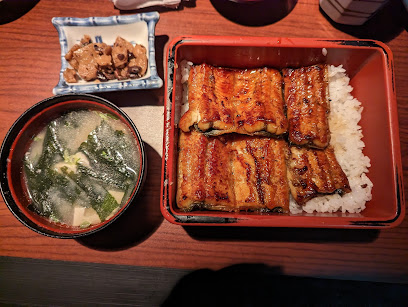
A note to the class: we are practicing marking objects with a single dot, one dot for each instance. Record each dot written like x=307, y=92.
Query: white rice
x=346, y=139
x=185, y=67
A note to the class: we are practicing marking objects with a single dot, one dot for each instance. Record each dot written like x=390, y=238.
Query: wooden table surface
x=29, y=69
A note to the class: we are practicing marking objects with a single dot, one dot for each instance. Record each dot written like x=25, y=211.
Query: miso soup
x=81, y=168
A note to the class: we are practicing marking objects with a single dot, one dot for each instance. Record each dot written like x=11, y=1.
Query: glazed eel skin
x=236, y=172
x=223, y=100
x=307, y=101
x=232, y=173
x=314, y=172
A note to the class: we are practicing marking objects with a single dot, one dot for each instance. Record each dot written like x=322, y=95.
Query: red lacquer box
x=369, y=64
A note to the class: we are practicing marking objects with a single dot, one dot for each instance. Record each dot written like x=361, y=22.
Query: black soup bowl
x=18, y=141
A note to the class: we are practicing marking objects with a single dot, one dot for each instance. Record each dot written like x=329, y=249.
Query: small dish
x=369, y=65
x=137, y=28
x=19, y=139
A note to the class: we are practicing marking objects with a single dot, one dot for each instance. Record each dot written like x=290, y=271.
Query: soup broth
x=81, y=168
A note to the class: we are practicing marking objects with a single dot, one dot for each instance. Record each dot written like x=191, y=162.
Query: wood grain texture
x=29, y=69
x=66, y=283
x=86, y=283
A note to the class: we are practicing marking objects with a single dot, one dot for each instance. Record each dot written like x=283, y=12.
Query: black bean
x=109, y=76
x=108, y=70
x=134, y=69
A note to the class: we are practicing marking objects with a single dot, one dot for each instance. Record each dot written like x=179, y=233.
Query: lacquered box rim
x=218, y=219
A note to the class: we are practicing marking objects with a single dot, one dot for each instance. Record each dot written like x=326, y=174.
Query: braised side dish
x=275, y=140
x=99, y=61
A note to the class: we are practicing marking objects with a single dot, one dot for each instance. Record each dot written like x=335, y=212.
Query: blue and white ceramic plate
x=138, y=28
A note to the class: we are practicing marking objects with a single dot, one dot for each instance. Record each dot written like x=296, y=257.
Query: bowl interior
x=372, y=80
x=18, y=142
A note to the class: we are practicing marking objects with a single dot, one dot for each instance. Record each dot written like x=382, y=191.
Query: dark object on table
x=386, y=24
x=259, y=285
x=254, y=12
x=11, y=10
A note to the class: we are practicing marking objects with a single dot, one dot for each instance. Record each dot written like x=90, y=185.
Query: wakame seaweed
x=98, y=195
x=51, y=148
x=101, y=151
x=41, y=180
x=111, y=177
x=107, y=206
x=65, y=177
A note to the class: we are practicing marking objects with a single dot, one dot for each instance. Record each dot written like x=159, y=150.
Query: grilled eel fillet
x=232, y=173
x=307, y=101
x=225, y=100
x=313, y=171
